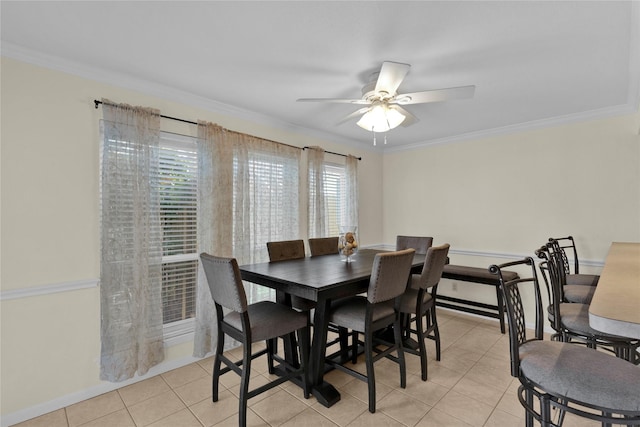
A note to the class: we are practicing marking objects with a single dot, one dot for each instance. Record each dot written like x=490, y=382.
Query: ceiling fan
x=384, y=106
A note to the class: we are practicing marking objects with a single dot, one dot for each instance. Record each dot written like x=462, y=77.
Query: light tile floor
x=470, y=386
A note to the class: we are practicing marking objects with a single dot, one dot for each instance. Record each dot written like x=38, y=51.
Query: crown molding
x=603, y=113
x=122, y=80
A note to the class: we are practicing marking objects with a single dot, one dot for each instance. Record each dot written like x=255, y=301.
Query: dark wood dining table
x=320, y=279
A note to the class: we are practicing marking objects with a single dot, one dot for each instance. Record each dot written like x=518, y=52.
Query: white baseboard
x=547, y=329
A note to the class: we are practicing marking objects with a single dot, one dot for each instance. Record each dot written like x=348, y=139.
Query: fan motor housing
x=369, y=93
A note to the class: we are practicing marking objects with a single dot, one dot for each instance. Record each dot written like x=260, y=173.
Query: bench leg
x=500, y=308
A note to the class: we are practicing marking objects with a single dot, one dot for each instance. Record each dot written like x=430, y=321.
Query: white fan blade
x=409, y=118
x=335, y=100
x=390, y=77
x=436, y=95
x=354, y=114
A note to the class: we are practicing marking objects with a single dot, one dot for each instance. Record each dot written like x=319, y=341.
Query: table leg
x=326, y=393
x=290, y=345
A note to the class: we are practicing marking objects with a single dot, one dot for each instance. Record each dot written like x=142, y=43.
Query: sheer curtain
x=266, y=195
x=352, y=190
x=266, y=201
x=215, y=216
x=317, y=207
x=254, y=198
x=131, y=261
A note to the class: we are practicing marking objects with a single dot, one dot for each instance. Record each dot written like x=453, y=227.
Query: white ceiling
x=533, y=63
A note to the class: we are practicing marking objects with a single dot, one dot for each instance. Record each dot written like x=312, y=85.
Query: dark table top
x=318, y=277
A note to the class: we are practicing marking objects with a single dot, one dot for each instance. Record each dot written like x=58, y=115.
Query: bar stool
x=571, y=320
x=419, y=301
x=378, y=310
x=577, y=287
x=250, y=323
x=571, y=378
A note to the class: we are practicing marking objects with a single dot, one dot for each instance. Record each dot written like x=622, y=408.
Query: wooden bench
x=475, y=275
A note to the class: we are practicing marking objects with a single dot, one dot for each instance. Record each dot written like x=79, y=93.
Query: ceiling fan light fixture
x=381, y=118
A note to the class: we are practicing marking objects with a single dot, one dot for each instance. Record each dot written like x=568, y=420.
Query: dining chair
x=578, y=287
x=294, y=249
x=418, y=302
x=379, y=309
x=419, y=243
x=285, y=249
x=571, y=320
x=323, y=246
x=250, y=323
x=587, y=383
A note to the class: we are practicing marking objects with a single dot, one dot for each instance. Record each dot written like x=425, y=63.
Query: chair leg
x=406, y=322
x=354, y=347
x=371, y=379
x=561, y=412
x=545, y=411
x=398, y=345
x=354, y=340
x=272, y=348
x=294, y=354
x=422, y=346
x=303, y=343
x=436, y=331
x=215, y=382
x=529, y=399
x=244, y=385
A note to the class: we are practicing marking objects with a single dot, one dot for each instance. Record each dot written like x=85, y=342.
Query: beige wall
x=482, y=196
x=50, y=227
x=500, y=198
x=510, y=193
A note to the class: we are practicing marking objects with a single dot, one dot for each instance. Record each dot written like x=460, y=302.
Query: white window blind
x=265, y=207
x=335, y=197
x=177, y=180
x=269, y=204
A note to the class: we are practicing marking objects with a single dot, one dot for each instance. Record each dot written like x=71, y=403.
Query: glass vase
x=348, y=243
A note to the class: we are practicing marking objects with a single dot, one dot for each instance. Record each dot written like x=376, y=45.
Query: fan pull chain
x=374, y=138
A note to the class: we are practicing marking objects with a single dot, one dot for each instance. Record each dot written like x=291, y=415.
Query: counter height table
x=615, y=307
x=321, y=279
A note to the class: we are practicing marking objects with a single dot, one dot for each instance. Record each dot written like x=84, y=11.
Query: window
x=178, y=189
x=265, y=206
x=335, y=184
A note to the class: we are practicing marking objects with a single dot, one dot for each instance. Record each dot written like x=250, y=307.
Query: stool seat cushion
x=269, y=320
x=582, y=374
x=578, y=293
x=350, y=312
x=409, y=299
x=582, y=279
x=575, y=317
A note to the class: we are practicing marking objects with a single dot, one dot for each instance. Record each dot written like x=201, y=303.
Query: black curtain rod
x=96, y=102
x=337, y=154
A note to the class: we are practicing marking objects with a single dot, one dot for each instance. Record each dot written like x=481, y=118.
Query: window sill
x=179, y=332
